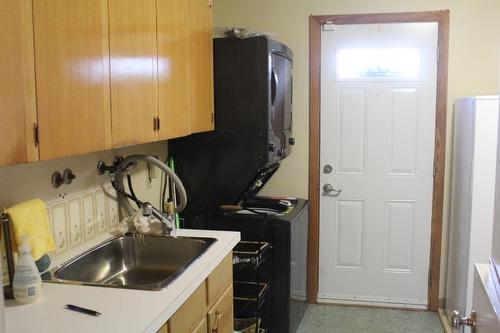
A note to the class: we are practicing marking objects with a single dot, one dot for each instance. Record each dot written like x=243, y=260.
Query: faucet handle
x=147, y=209
x=170, y=208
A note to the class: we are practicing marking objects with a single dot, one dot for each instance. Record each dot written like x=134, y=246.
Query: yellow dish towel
x=29, y=219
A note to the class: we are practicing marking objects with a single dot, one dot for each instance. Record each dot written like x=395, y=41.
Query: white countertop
x=123, y=310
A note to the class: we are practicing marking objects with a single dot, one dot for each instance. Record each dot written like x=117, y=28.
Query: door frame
x=315, y=23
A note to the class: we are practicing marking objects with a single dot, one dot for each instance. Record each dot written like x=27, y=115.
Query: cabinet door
x=72, y=76
x=173, y=80
x=219, y=279
x=17, y=83
x=133, y=54
x=187, y=317
x=220, y=317
x=201, y=65
x=202, y=327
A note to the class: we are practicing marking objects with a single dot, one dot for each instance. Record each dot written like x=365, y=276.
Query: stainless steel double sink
x=147, y=263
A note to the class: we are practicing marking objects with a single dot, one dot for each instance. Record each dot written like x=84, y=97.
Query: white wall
x=474, y=62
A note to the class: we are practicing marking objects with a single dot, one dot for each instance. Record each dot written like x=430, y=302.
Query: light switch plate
x=88, y=216
x=75, y=222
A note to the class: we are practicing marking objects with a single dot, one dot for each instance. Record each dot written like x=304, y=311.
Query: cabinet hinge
x=36, y=137
x=212, y=117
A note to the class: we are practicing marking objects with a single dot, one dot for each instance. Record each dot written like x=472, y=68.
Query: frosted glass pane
x=403, y=63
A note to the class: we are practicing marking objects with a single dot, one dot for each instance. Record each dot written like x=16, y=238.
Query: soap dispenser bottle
x=27, y=284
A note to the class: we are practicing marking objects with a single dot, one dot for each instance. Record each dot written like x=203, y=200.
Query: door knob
x=457, y=319
x=328, y=189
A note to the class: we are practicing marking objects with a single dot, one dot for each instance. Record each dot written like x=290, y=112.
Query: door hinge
x=36, y=137
x=329, y=26
x=438, y=53
x=154, y=124
x=429, y=280
x=434, y=168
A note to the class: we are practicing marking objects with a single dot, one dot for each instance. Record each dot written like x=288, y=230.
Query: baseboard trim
x=442, y=302
x=444, y=320
x=372, y=304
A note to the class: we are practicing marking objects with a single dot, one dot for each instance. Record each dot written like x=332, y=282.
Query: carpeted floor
x=343, y=319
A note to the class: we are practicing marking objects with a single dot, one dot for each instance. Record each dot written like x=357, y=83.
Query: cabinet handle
x=218, y=316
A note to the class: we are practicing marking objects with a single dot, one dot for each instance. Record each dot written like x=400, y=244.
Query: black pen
x=82, y=310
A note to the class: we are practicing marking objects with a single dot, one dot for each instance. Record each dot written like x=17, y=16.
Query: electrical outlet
x=100, y=211
x=88, y=216
x=59, y=228
x=75, y=222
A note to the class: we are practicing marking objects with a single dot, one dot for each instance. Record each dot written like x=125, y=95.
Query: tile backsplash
x=79, y=217
x=82, y=210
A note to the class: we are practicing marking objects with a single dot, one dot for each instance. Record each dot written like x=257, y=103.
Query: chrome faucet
x=120, y=170
x=147, y=209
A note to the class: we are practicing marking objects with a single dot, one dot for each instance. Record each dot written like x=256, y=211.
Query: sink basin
x=150, y=263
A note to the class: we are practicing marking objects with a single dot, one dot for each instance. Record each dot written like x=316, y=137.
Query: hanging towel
x=30, y=220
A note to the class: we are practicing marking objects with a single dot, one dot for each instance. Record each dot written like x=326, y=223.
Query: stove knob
x=272, y=147
x=281, y=152
x=291, y=141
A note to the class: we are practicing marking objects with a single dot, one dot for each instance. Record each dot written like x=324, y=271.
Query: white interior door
x=378, y=88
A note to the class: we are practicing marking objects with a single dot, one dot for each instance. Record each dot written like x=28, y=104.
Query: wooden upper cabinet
x=17, y=83
x=133, y=59
x=173, y=65
x=201, y=86
x=72, y=76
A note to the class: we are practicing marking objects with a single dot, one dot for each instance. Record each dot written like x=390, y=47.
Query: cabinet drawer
x=220, y=316
x=219, y=279
x=190, y=313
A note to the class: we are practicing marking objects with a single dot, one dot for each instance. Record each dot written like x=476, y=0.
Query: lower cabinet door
x=202, y=327
x=191, y=313
x=220, y=316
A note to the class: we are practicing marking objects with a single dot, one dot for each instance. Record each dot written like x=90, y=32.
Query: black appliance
x=229, y=166
x=253, y=95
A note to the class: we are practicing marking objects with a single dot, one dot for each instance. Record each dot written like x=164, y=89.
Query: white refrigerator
x=472, y=196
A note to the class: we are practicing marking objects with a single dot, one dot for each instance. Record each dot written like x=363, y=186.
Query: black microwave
x=253, y=95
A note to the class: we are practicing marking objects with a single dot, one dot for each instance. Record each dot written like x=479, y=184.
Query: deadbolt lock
x=327, y=168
